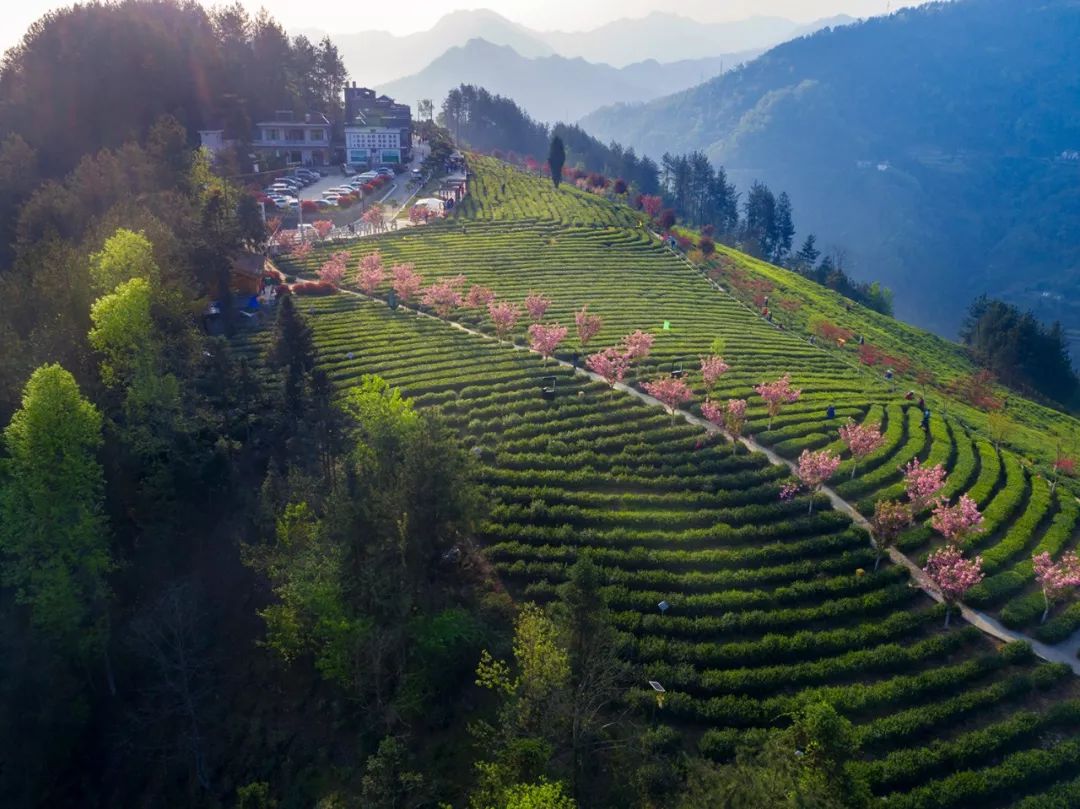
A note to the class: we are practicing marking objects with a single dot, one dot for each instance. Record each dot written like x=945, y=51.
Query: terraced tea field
x=767, y=608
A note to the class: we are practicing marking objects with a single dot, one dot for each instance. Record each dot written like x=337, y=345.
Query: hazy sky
x=414, y=15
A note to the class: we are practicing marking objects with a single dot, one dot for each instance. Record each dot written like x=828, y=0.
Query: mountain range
x=540, y=85
x=375, y=58
x=939, y=145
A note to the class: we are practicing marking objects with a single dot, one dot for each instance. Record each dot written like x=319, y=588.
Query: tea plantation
x=769, y=606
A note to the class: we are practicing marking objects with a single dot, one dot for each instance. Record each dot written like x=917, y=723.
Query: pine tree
x=808, y=255
x=556, y=159
x=783, y=229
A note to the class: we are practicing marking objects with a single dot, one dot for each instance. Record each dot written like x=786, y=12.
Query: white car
x=331, y=197
x=367, y=175
x=385, y=172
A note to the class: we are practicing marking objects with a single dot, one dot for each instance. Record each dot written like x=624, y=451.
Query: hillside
x=539, y=84
x=765, y=612
x=669, y=37
x=927, y=143
x=376, y=58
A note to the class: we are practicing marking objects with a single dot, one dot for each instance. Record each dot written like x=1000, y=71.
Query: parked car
x=311, y=174
x=347, y=170
x=384, y=171
x=367, y=175
x=331, y=196
x=325, y=203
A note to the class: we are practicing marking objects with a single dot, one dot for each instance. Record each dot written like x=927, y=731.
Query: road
x=393, y=196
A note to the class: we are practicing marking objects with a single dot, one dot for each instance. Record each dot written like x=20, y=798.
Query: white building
x=299, y=142
x=372, y=145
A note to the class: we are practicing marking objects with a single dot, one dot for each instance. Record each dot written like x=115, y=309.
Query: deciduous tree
x=777, y=394
x=953, y=575
x=546, y=338
x=670, y=392
x=53, y=534
x=861, y=441
x=588, y=326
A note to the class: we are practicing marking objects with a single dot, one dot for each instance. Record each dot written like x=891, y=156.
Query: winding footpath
x=1064, y=652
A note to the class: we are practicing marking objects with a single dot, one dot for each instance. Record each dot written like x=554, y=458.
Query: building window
x=270, y=134
x=294, y=135
x=316, y=134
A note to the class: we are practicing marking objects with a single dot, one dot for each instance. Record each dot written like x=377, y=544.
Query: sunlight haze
x=342, y=16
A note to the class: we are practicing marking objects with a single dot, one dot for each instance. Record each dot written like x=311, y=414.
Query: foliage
x=923, y=483
x=556, y=159
x=1055, y=579
x=611, y=363
x=123, y=331
x=53, y=533
x=370, y=274
x=1022, y=352
x=406, y=281
x=777, y=394
x=861, y=440
x=124, y=256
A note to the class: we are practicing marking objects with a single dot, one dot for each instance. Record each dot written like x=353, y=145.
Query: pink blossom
x=891, y=518
x=922, y=483
x=651, y=204
x=323, y=227
x=957, y=522
x=789, y=490
x=479, y=297
x=375, y=217
x=504, y=316
x=815, y=468
x=1064, y=465
x=861, y=440
x=443, y=296
x=776, y=394
x=736, y=416
x=333, y=271
x=953, y=575
x=713, y=412
x=406, y=281
x=610, y=363
x=670, y=392
x=587, y=325
x=712, y=368
x=545, y=339
x=637, y=345
x=536, y=305
x=300, y=251
x=1055, y=579
x=371, y=273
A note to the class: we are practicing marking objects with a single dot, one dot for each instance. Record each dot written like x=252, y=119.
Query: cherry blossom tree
x=611, y=364
x=536, y=305
x=922, y=483
x=670, y=392
x=371, y=273
x=713, y=412
x=1055, y=579
x=891, y=518
x=861, y=440
x=323, y=227
x=637, y=345
x=444, y=296
x=712, y=368
x=407, y=282
x=333, y=270
x=735, y=418
x=375, y=217
x=300, y=251
x=652, y=205
x=504, y=316
x=777, y=394
x=479, y=297
x=957, y=522
x=953, y=575
x=1063, y=466
x=546, y=338
x=587, y=325
x=814, y=469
